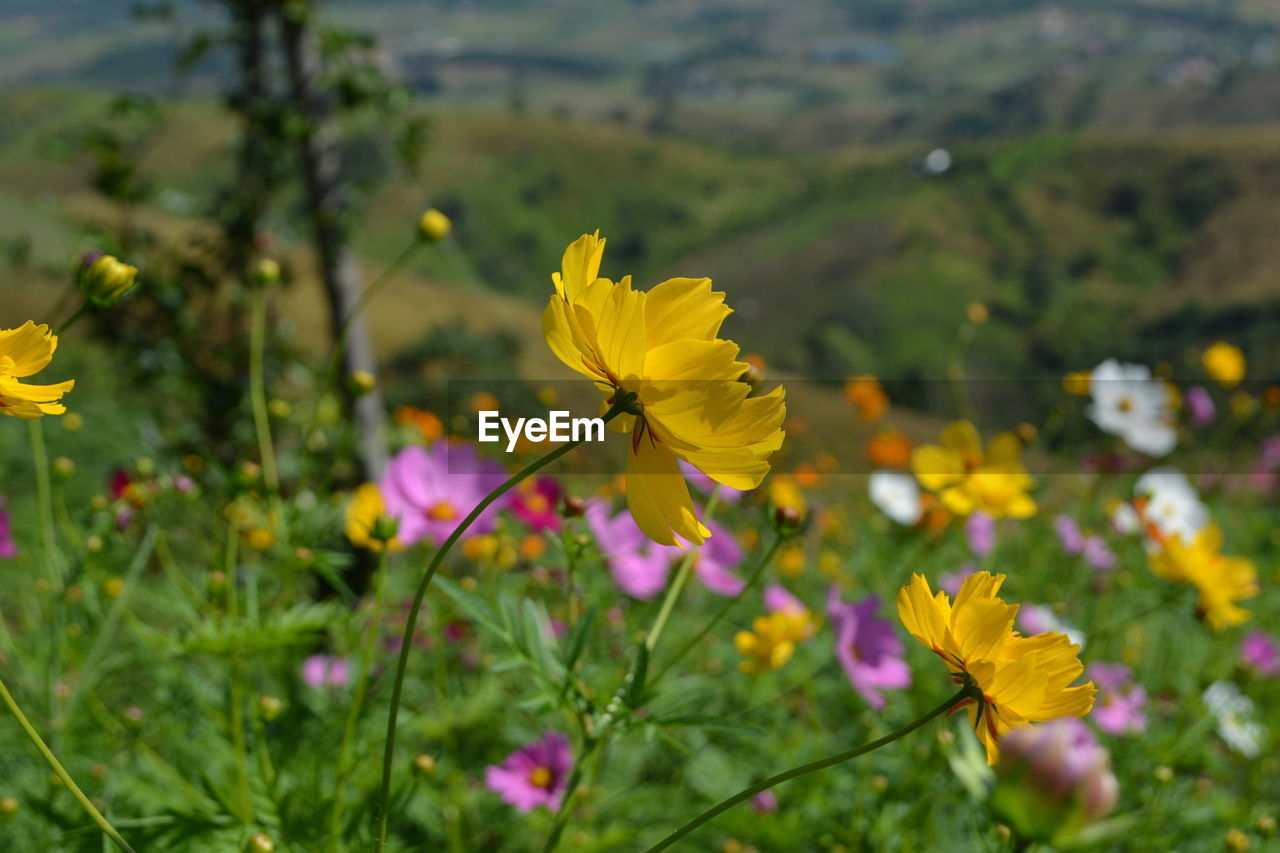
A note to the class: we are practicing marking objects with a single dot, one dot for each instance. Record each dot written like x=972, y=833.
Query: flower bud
x=434, y=226
x=361, y=382
x=384, y=528
x=1053, y=780
x=105, y=279
x=573, y=507
x=64, y=468
x=424, y=765
x=269, y=707
x=266, y=271
x=977, y=313
x=9, y=806
x=259, y=843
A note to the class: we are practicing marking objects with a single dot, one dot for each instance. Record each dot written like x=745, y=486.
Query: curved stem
x=723, y=611
x=682, y=578
x=61, y=771
x=966, y=692
x=71, y=321
x=406, y=642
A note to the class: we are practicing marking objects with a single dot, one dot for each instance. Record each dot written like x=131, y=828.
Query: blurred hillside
x=806, y=74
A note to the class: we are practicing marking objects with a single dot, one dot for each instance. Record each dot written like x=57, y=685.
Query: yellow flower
x=1022, y=679
x=866, y=395
x=785, y=493
x=1224, y=363
x=1221, y=580
x=968, y=480
x=434, y=226
x=1077, y=383
x=24, y=351
x=772, y=639
x=662, y=346
x=367, y=520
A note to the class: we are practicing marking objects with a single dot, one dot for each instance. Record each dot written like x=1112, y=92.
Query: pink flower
x=534, y=775
x=952, y=581
x=778, y=600
x=8, y=547
x=1118, y=709
x=1200, y=407
x=1097, y=553
x=705, y=484
x=431, y=490
x=324, y=671
x=980, y=530
x=867, y=648
x=1069, y=534
x=765, y=802
x=1259, y=652
x=535, y=502
x=1060, y=759
x=640, y=565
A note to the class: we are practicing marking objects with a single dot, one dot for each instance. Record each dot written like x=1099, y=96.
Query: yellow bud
x=434, y=226
x=361, y=382
x=1077, y=383
x=1237, y=840
x=113, y=587
x=279, y=408
x=64, y=467
x=106, y=280
x=259, y=843
x=266, y=271
x=269, y=707
x=72, y=422
x=977, y=313
x=424, y=764
x=9, y=806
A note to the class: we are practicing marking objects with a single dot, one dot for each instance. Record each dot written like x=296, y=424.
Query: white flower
x=1125, y=519
x=1172, y=505
x=1234, y=711
x=1129, y=403
x=897, y=496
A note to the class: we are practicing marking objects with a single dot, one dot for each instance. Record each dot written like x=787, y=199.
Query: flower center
x=537, y=503
x=540, y=777
x=442, y=511
x=1125, y=405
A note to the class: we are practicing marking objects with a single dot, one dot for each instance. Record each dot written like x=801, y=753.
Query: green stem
x=61, y=771
x=678, y=585
x=44, y=493
x=562, y=813
x=357, y=700
x=966, y=692
x=723, y=611
x=258, y=390
x=71, y=321
x=406, y=644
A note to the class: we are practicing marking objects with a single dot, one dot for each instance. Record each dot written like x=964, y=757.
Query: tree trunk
x=339, y=266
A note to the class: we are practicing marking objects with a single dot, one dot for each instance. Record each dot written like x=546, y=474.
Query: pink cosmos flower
x=1200, y=407
x=431, y=490
x=778, y=600
x=324, y=671
x=8, y=547
x=536, y=502
x=1259, y=652
x=980, y=530
x=1119, y=706
x=868, y=648
x=1097, y=553
x=534, y=775
x=1061, y=758
x=1069, y=534
x=765, y=802
x=640, y=565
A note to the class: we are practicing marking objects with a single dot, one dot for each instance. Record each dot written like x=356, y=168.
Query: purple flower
x=1118, y=709
x=640, y=565
x=1059, y=759
x=980, y=530
x=637, y=563
x=1069, y=534
x=706, y=485
x=324, y=671
x=1259, y=652
x=430, y=490
x=1200, y=407
x=534, y=775
x=952, y=581
x=535, y=502
x=8, y=547
x=765, y=802
x=867, y=647
x=1098, y=554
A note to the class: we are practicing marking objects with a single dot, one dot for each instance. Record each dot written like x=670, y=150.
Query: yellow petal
x=936, y=467
x=658, y=496
x=29, y=347
x=684, y=308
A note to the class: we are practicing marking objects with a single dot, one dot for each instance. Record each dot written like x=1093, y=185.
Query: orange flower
x=427, y=423
x=889, y=448
x=866, y=395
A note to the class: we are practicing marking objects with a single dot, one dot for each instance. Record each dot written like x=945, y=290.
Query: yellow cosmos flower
x=367, y=518
x=1224, y=363
x=968, y=480
x=1221, y=580
x=772, y=639
x=24, y=351
x=662, y=346
x=1023, y=679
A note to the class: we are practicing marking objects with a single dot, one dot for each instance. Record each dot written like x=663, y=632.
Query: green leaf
x=635, y=695
x=475, y=607
x=577, y=638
